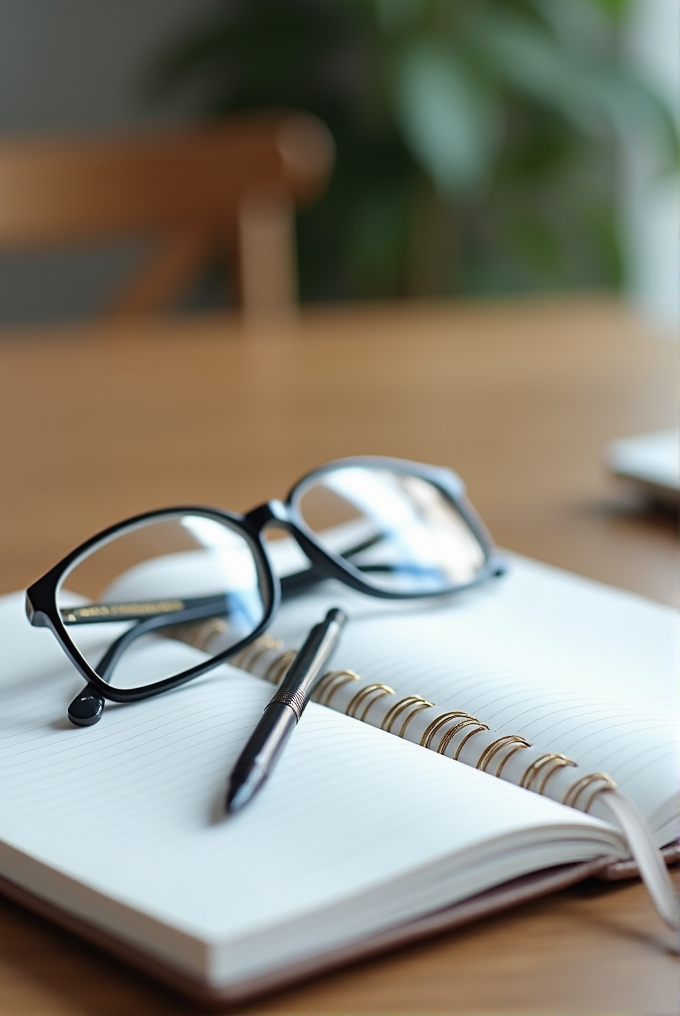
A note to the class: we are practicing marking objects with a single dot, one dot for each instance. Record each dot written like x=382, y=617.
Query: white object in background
x=650, y=205
x=650, y=460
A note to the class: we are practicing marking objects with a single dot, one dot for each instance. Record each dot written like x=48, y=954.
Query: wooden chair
x=233, y=186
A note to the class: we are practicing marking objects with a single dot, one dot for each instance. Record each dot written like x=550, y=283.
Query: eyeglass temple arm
x=165, y=611
x=98, y=613
x=198, y=608
x=87, y=706
x=198, y=611
x=170, y=612
x=157, y=614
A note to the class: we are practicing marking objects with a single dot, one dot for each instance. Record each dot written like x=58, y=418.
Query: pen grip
x=295, y=700
x=297, y=686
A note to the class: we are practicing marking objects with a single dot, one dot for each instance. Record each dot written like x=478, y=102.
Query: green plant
x=475, y=138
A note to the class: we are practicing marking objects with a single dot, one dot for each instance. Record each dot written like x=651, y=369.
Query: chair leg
x=167, y=274
x=266, y=254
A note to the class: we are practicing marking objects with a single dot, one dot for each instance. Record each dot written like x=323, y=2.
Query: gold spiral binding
x=609, y=784
x=278, y=667
x=198, y=633
x=513, y=751
x=252, y=652
x=532, y=770
x=375, y=690
x=439, y=722
x=452, y=731
x=206, y=632
x=331, y=682
x=535, y=767
x=478, y=730
x=247, y=657
x=386, y=690
x=416, y=709
x=495, y=746
x=322, y=684
x=574, y=792
x=398, y=708
x=560, y=763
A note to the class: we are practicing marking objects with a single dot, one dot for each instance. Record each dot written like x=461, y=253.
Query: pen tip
x=243, y=786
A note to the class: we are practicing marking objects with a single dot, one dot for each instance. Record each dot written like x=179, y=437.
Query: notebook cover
x=512, y=893
x=617, y=870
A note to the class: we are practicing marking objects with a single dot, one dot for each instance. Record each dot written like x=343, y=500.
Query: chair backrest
x=234, y=184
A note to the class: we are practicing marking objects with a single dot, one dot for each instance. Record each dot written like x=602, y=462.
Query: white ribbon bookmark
x=645, y=853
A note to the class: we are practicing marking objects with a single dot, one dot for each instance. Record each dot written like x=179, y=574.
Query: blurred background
x=483, y=147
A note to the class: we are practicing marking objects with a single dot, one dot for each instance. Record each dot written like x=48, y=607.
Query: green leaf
x=531, y=61
x=589, y=92
x=638, y=113
x=446, y=114
x=615, y=10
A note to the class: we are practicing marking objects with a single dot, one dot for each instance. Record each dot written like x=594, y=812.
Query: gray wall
x=78, y=66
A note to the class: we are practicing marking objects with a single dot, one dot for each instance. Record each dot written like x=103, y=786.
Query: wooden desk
x=99, y=422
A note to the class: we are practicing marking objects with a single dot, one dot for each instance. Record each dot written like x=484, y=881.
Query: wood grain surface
x=101, y=421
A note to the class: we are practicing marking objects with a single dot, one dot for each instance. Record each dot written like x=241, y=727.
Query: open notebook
x=362, y=838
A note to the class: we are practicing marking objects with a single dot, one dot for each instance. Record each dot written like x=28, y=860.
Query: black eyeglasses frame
x=41, y=596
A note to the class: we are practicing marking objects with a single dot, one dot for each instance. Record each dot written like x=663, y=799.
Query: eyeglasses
x=385, y=527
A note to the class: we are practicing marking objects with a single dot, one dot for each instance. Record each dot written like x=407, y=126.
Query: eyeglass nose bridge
x=271, y=511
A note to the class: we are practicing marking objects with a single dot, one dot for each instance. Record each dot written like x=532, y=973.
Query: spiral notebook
x=363, y=839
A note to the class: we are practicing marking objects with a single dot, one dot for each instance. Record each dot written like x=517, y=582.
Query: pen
x=281, y=715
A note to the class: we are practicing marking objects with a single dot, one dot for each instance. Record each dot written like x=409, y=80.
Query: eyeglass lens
x=403, y=532
x=124, y=598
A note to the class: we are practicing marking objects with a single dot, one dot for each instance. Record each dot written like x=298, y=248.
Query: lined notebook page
x=356, y=829
x=573, y=666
